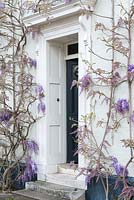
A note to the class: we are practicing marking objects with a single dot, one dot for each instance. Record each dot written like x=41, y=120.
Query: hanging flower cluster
x=31, y=167
x=31, y=146
x=5, y=115
x=40, y=96
x=122, y=106
x=131, y=71
x=119, y=169
x=132, y=117
x=131, y=68
x=30, y=170
x=85, y=82
x=2, y=5
x=30, y=61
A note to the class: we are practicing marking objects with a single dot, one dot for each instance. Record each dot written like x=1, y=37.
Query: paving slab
x=33, y=195
x=61, y=191
x=13, y=197
x=19, y=197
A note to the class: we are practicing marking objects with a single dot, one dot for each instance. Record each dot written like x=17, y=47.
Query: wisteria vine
x=19, y=92
x=101, y=165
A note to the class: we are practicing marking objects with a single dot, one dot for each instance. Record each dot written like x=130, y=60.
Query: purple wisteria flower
x=39, y=91
x=32, y=62
x=40, y=96
x=122, y=106
x=5, y=115
x=120, y=22
x=88, y=179
x=31, y=146
x=2, y=5
x=30, y=170
x=68, y=1
x=119, y=169
x=41, y=107
x=131, y=68
x=132, y=117
x=85, y=82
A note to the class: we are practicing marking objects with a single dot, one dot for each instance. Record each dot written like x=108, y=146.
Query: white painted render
x=68, y=25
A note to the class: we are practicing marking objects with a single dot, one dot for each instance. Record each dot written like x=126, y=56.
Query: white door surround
x=52, y=61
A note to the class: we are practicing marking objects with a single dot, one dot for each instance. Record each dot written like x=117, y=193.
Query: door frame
x=65, y=29
x=53, y=168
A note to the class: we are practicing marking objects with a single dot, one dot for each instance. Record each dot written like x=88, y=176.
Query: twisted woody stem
x=130, y=15
x=111, y=88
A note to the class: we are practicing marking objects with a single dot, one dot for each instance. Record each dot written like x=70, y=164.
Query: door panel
x=55, y=63
x=72, y=110
x=55, y=145
x=56, y=111
x=55, y=104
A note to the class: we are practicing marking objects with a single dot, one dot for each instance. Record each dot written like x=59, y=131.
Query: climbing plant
x=102, y=91
x=18, y=94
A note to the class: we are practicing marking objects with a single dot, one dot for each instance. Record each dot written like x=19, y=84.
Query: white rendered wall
x=85, y=27
x=104, y=8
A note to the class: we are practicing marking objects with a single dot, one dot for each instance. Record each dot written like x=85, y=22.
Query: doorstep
x=67, y=176
x=65, y=180
x=68, y=169
x=40, y=190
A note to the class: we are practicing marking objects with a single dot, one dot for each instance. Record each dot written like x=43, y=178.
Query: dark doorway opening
x=72, y=110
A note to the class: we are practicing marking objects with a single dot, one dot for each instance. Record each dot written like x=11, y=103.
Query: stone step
x=66, y=180
x=34, y=195
x=68, y=169
x=49, y=191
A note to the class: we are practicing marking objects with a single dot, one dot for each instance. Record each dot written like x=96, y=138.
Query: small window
x=72, y=49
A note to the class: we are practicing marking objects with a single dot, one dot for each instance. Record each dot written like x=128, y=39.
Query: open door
x=72, y=110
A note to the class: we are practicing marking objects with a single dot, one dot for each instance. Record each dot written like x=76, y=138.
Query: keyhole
x=58, y=99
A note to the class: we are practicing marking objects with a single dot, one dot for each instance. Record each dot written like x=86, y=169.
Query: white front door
x=57, y=104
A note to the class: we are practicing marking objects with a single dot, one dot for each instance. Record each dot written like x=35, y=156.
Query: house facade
x=61, y=49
